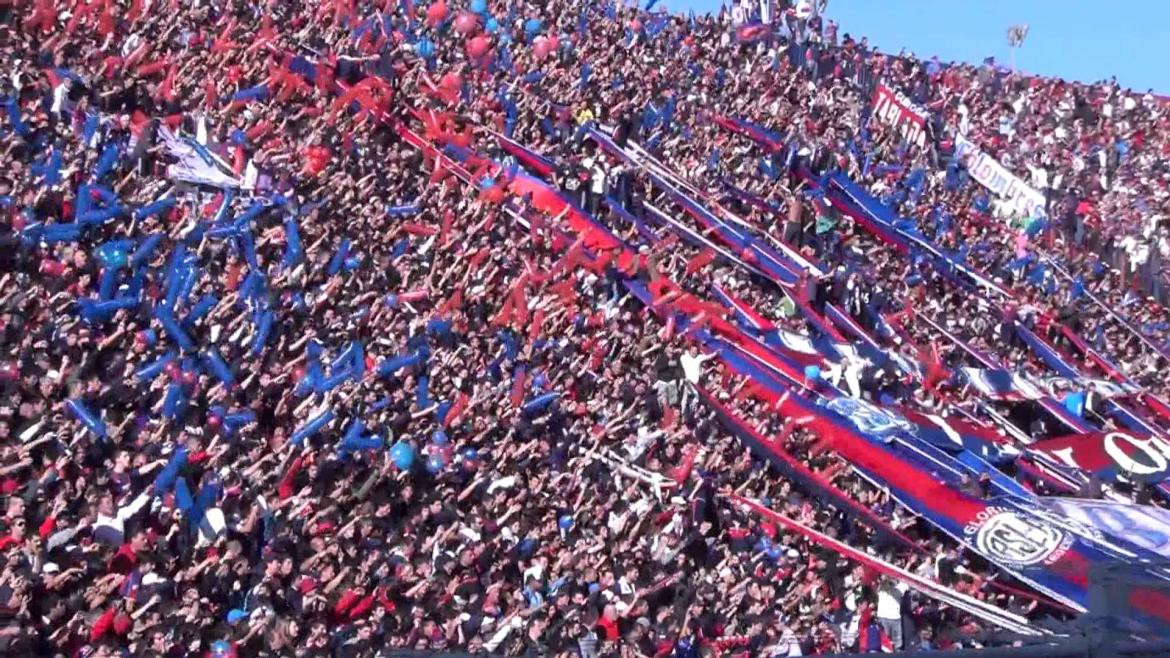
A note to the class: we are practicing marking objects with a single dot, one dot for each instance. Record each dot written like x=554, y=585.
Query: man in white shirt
x=692, y=367
x=889, y=610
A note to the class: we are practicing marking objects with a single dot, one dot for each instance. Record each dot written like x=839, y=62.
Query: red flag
x=566, y=291
x=419, y=229
x=517, y=395
x=537, y=323
x=456, y=410
x=505, y=314
x=448, y=220
x=454, y=302
x=700, y=260
x=683, y=471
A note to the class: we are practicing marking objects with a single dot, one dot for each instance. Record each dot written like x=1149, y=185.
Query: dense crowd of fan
x=162, y=505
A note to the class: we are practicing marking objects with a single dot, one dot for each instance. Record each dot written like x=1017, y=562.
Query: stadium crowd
x=390, y=406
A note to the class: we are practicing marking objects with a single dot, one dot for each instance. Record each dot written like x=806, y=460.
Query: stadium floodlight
x=1016, y=35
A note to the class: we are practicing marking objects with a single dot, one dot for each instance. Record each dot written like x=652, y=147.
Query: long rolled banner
x=980, y=609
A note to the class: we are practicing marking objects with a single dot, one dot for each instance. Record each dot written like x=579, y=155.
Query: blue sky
x=1084, y=40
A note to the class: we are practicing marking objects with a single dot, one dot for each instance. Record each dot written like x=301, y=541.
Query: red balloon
x=635, y=25
x=541, y=48
x=462, y=140
x=172, y=370
x=466, y=23
x=553, y=43
x=494, y=195
x=298, y=374
x=452, y=81
x=189, y=378
x=436, y=13
x=478, y=46
x=213, y=421
x=748, y=255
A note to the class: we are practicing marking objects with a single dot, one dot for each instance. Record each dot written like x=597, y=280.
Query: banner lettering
x=895, y=109
x=1020, y=197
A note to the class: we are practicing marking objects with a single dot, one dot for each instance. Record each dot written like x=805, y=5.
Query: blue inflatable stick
x=263, y=329
x=107, y=282
x=242, y=222
x=225, y=207
x=87, y=418
x=335, y=379
x=155, y=207
x=293, y=252
x=238, y=419
x=538, y=404
x=200, y=309
x=145, y=250
x=59, y=233
x=151, y=370
x=257, y=93
x=106, y=161
x=345, y=358
x=312, y=426
x=367, y=442
x=171, y=402
x=99, y=312
x=311, y=381
x=98, y=215
x=218, y=367
x=422, y=395
x=390, y=366
x=167, y=319
x=170, y=472
x=248, y=245
x=359, y=360
x=191, y=276
x=339, y=257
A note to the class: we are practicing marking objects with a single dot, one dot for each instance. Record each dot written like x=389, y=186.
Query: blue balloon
x=479, y=6
x=565, y=522
x=812, y=372
x=402, y=454
x=774, y=553
x=532, y=25
x=235, y=614
x=113, y=254
x=425, y=48
x=440, y=438
x=470, y=454
x=435, y=464
x=491, y=25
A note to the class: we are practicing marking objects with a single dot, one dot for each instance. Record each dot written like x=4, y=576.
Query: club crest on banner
x=1003, y=535
x=867, y=418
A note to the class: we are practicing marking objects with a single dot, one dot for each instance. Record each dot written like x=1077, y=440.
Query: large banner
x=1113, y=455
x=1005, y=530
x=895, y=109
x=1143, y=527
x=1021, y=199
